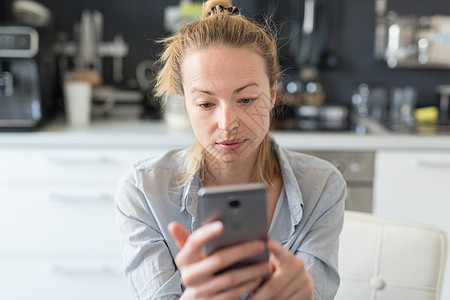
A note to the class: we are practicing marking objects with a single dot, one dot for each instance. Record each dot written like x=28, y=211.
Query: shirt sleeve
x=319, y=243
x=148, y=264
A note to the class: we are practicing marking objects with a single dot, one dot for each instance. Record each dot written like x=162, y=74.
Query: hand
x=198, y=271
x=289, y=279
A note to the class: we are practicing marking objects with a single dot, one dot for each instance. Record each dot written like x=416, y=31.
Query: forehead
x=222, y=62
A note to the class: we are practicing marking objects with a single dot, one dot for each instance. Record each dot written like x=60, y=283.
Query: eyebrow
x=194, y=89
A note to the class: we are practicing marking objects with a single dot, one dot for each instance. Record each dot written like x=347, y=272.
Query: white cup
x=77, y=100
x=175, y=114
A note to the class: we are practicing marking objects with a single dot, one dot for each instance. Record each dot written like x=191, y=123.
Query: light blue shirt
x=307, y=220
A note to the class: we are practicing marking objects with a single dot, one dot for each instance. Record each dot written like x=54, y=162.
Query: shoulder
x=307, y=163
x=150, y=183
x=161, y=166
x=312, y=174
x=170, y=161
x=167, y=160
x=317, y=184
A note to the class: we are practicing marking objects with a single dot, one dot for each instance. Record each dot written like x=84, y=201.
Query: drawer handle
x=81, y=270
x=81, y=198
x=69, y=160
x=434, y=164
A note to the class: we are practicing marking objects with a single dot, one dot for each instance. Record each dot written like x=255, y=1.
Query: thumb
x=179, y=233
x=278, y=252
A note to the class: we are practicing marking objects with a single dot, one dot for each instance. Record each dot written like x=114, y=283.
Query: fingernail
x=217, y=225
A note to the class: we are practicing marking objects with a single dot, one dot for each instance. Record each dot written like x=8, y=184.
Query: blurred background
x=335, y=44
x=366, y=87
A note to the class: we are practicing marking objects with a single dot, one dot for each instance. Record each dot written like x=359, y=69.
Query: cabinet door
x=58, y=220
x=54, y=279
x=83, y=164
x=413, y=185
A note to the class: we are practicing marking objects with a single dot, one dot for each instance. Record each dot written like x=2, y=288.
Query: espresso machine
x=22, y=102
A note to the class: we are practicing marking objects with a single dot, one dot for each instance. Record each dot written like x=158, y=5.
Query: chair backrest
x=388, y=259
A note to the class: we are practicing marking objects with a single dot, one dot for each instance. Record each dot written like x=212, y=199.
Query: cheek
x=199, y=123
x=258, y=118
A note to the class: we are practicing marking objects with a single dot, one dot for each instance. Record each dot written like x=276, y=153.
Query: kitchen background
x=72, y=171
x=345, y=32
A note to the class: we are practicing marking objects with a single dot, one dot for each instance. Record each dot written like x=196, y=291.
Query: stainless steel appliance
x=358, y=170
x=21, y=103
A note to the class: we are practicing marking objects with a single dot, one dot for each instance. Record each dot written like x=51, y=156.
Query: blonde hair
x=215, y=28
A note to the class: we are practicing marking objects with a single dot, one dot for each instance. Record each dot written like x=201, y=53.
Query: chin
x=228, y=158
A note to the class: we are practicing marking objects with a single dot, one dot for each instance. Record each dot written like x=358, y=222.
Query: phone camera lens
x=235, y=203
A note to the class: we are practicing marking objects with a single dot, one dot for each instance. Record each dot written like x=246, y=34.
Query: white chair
x=388, y=259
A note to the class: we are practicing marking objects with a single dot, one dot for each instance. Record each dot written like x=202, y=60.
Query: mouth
x=231, y=145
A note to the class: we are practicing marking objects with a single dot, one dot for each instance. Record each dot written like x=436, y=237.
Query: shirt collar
x=292, y=188
x=190, y=199
x=291, y=185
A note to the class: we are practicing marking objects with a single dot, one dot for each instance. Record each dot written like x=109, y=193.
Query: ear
x=273, y=95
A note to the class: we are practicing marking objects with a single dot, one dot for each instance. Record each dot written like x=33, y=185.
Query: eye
x=247, y=100
x=206, y=105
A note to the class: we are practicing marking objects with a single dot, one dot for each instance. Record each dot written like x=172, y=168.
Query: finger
x=233, y=279
x=290, y=280
x=195, y=273
x=229, y=256
x=179, y=233
x=202, y=235
x=192, y=244
x=302, y=288
x=289, y=291
x=282, y=273
x=235, y=293
x=240, y=291
x=276, y=248
x=278, y=253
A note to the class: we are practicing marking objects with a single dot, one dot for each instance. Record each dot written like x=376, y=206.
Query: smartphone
x=242, y=209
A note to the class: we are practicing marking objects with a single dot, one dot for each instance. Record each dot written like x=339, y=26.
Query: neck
x=222, y=173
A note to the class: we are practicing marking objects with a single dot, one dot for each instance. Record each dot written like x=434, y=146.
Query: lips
x=231, y=145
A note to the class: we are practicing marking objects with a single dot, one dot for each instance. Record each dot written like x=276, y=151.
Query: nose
x=228, y=117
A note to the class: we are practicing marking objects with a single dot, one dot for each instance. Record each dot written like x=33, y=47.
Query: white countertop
x=143, y=134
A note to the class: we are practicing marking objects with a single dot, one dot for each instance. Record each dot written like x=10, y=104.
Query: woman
x=226, y=68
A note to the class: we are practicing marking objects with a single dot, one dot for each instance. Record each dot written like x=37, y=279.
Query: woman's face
x=228, y=99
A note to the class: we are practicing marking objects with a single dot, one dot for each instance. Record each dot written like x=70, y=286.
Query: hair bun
x=210, y=4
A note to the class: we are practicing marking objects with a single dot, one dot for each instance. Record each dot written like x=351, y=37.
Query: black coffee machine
x=24, y=93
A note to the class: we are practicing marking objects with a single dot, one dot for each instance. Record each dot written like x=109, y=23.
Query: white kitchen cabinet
x=82, y=164
x=71, y=278
x=58, y=237
x=55, y=220
x=414, y=185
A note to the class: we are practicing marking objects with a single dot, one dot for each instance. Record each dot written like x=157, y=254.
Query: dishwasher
x=358, y=171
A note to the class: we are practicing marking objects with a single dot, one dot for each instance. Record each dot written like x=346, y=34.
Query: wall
x=348, y=34
x=356, y=32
